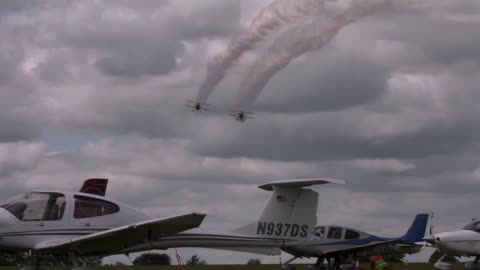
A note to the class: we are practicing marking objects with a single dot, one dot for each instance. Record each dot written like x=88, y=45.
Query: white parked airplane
x=288, y=223
x=464, y=242
x=288, y=218
x=82, y=223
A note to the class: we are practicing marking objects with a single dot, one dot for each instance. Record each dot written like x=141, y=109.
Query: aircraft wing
x=115, y=240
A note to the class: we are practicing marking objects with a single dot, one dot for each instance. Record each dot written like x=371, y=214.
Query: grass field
x=411, y=266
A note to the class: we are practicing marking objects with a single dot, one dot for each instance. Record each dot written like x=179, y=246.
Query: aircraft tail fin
x=291, y=211
x=416, y=232
x=95, y=186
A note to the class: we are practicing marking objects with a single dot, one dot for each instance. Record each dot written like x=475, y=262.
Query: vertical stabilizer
x=291, y=211
x=416, y=232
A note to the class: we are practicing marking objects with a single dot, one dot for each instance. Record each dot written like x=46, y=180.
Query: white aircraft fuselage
x=458, y=243
x=464, y=242
x=32, y=218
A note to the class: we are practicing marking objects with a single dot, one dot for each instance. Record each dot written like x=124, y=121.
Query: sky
x=96, y=89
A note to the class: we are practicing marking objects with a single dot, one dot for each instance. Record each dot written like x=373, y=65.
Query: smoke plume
x=297, y=41
x=269, y=19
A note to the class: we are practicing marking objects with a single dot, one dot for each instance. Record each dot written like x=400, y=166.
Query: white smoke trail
x=300, y=40
x=269, y=19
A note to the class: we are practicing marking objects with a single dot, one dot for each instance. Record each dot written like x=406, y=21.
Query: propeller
x=430, y=239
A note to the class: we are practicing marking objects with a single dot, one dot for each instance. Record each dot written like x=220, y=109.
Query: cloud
x=383, y=165
x=96, y=89
x=19, y=157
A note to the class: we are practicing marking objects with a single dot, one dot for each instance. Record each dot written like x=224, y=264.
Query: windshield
x=36, y=206
x=474, y=226
x=320, y=232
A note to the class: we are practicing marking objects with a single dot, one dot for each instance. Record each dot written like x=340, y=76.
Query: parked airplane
x=289, y=216
x=82, y=223
x=464, y=242
x=327, y=242
x=288, y=223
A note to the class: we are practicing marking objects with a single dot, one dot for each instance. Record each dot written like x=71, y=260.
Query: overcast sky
x=96, y=89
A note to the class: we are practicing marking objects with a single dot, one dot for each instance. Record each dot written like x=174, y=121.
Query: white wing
x=114, y=241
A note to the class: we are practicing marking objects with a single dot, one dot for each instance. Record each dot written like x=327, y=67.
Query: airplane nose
x=429, y=239
x=6, y=218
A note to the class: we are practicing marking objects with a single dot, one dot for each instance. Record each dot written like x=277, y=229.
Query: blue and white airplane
x=328, y=242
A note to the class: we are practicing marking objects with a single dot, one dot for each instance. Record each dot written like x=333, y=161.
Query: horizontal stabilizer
x=300, y=183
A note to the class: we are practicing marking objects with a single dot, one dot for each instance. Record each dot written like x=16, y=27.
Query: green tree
x=195, y=260
x=436, y=255
x=14, y=259
x=64, y=260
x=152, y=258
x=254, y=261
x=19, y=259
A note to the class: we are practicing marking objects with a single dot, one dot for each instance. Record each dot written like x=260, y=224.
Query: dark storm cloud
x=210, y=19
x=148, y=43
x=19, y=118
x=330, y=80
x=411, y=131
x=18, y=126
x=388, y=127
x=19, y=157
x=13, y=6
x=137, y=61
x=7, y=68
x=442, y=41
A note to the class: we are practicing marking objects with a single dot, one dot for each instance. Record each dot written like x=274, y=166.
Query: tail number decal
x=282, y=229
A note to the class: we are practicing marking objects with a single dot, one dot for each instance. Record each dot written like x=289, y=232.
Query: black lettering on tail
x=261, y=228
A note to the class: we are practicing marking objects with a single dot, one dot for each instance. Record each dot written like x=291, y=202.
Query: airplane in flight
x=463, y=242
x=288, y=223
x=241, y=116
x=197, y=106
x=83, y=223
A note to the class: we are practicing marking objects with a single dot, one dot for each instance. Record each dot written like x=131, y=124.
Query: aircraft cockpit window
x=86, y=207
x=334, y=233
x=474, y=226
x=320, y=232
x=36, y=206
x=350, y=235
